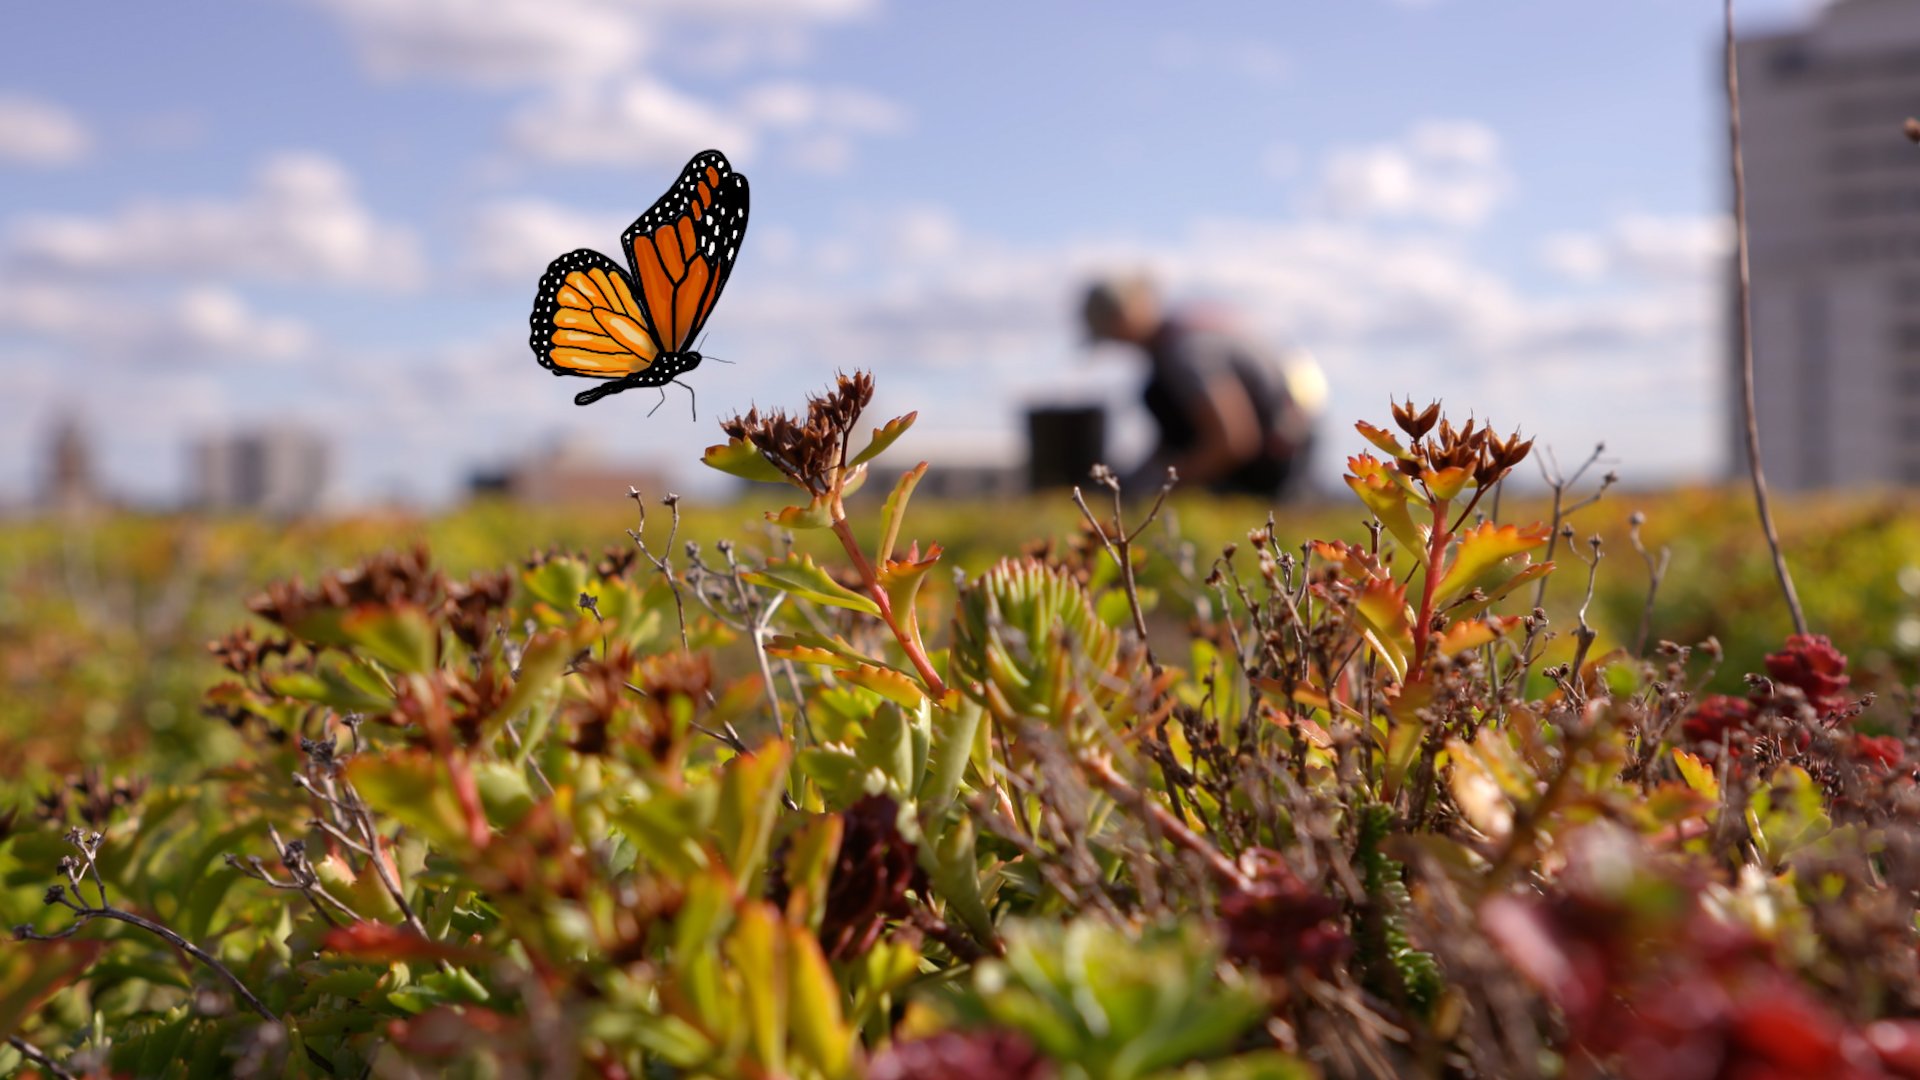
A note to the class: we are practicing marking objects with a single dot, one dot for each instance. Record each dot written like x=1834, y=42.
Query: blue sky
x=333, y=212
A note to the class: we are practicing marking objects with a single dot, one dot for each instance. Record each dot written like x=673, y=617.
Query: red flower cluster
x=1885, y=751
x=1653, y=985
x=871, y=876
x=1811, y=664
x=961, y=1055
x=1278, y=924
x=1717, y=717
x=1808, y=663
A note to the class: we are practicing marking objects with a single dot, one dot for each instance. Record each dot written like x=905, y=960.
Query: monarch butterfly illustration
x=636, y=327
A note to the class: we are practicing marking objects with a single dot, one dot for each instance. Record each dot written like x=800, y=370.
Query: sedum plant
x=1352, y=806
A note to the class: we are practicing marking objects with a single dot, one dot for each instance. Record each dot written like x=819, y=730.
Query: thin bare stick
x=1656, y=573
x=38, y=1057
x=1743, y=330
x=1101, y=770
x=1120, y=544
x=88, y=844
x=663, y=562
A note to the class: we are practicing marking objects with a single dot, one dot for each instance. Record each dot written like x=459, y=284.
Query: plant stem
x=1176, y=830
x=38, y=1057
x=86, y=915
x=1436, y=554
x=909, y=643
x=1744, y=330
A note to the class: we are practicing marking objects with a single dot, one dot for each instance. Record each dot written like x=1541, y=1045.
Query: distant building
x=568, y=474
x=282, y=471
x=1833, y=191
x=70, y=485
x=951, y=479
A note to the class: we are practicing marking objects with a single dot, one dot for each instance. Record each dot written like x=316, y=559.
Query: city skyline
x=334, y=212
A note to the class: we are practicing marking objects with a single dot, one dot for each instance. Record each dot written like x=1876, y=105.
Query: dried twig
x=1656, y=573
x=76, y=870
x=39, y=1057
x=1743, y=330
x=1119, y=543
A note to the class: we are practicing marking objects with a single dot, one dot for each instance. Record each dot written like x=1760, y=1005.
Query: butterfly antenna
x=657, y=404
x=704, y=356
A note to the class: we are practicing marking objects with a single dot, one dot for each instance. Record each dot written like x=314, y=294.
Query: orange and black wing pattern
x=682, y=249
x=637, y=326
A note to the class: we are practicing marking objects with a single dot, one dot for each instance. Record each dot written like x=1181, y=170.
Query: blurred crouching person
x=1234, y=416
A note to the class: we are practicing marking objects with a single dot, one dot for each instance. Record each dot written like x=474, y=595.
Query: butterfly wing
x=683, y=248
x=588, y=321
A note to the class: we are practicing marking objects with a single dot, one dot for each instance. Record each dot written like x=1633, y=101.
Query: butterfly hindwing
x=588, y=321
x=683, y=248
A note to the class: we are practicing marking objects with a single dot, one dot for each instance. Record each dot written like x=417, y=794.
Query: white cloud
x=301, y=222
x=644, y=121
x=789, y=106
x=634, y=121
x=35, y=132
x=514, y=239
x=92, y=327
x=494, y=41
x=1642, y=246
x=1448, y=172
x=499, y=42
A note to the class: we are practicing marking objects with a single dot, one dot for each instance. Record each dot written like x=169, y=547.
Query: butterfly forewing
x=683, y=248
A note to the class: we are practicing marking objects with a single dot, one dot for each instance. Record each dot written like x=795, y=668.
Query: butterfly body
x=634, y=326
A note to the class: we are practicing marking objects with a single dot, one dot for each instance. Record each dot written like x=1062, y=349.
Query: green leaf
x=1387, y=499
x=669, y=828
x=894, y=511
x=901, y=579
x=1786, y=815
x=838, y=774
x=888, y=683
x=504, y=792
x=884, y=437
x=1388, y=625
x=820, y=1031
x=1464, y=634
x=811, y=648
x=750, y=790
x=410, y=787
x=401, y=636
x=1501, y=580
x=340, y=685
x=1403, y=748
x=817, y=514
x=811, y=851
x=1481, y=549
x=29, y=976
x=953, y=869
x=1698, y=774
x=738, y=457
x=953, y=732
x=557, y=584
x=541, y=665
x=757, y=950
x=888, y=748
x=799, y=575
x=1381, y=438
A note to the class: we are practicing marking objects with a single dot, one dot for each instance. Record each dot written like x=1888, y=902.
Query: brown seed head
x=1416, y=424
